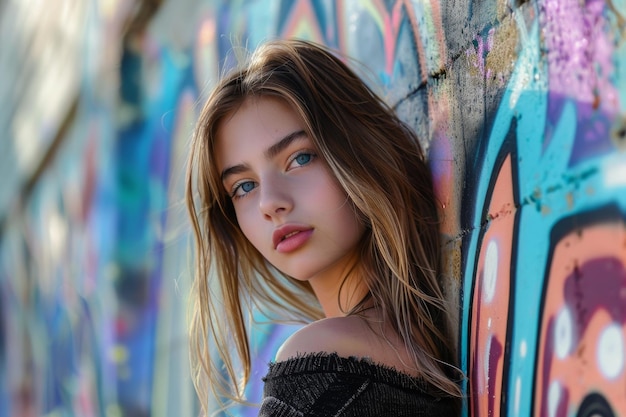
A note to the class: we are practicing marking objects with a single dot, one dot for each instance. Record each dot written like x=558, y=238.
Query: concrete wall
x=520, y=104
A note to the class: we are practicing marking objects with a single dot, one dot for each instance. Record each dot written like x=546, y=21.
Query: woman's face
x=287, y=202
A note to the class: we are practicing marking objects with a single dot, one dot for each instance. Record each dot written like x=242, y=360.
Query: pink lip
x=298, y=236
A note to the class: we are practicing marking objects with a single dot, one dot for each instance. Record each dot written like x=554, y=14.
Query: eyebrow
x=269, y=153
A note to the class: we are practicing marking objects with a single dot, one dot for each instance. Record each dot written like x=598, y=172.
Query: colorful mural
x=563, y=341
x=521, y=106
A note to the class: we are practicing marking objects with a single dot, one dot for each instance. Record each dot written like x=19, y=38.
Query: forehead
x=252, y=128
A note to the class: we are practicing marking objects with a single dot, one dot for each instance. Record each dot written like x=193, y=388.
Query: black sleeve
x=311, y=394
x=273, y=407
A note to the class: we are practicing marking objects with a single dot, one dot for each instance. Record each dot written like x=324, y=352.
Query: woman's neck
x=340, y=290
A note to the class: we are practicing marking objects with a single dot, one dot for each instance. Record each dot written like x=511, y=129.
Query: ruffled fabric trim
x=312, y=363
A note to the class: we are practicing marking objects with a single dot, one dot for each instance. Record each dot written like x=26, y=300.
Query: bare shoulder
x=346, y=336
x=350, y=336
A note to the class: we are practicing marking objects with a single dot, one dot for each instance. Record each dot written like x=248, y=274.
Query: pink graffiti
x=581, y=360
x=490, y=299
x=579, y=50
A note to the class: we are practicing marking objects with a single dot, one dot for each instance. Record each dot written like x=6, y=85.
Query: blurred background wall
x=520, y=104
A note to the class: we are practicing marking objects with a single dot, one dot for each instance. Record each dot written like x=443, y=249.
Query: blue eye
x=247, y=186
x=303, y=158
x=243, y=188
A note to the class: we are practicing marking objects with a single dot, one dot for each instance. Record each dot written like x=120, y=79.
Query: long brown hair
x=378, y=162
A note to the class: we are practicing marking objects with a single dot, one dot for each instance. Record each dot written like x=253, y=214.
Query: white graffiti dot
x=610, y=351
x=554, y=398
x=563, y=333
x=490, y=274
x=523, y=348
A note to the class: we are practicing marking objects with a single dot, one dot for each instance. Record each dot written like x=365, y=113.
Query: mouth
x=290, y=233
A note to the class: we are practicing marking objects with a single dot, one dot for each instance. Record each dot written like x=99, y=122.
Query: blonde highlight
x=377, y=161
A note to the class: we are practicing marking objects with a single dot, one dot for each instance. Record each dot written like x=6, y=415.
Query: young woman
x=308, y=196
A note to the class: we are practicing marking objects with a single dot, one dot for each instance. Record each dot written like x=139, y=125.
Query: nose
x=275, y=198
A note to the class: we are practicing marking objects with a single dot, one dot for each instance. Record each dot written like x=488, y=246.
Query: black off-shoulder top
x=326, y=385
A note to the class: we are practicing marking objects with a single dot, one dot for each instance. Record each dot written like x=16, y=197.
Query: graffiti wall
x=521, y=106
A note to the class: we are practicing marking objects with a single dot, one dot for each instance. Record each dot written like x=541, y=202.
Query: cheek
x=324, y=192
x=334, y=206
x=351, y=225
x=250, y=225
